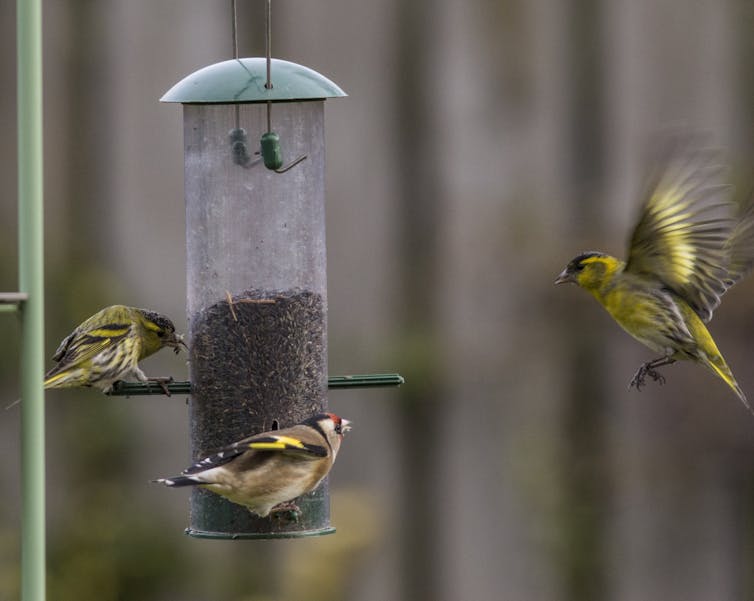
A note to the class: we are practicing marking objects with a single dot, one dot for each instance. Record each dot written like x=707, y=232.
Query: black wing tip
x=177, y=481
x=263, y=439
x=317, y=450
x=214, y=460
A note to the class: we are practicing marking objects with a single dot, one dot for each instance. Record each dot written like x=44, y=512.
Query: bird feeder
x=256, y=269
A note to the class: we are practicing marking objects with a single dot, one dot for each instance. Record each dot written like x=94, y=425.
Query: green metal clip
x=271, y=152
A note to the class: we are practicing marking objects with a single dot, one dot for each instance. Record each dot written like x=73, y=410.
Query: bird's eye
x=161, y=333
x=579, y=267
x=338, y=428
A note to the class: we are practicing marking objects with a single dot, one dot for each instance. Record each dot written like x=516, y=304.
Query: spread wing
x=740, y=247
x=686, y=225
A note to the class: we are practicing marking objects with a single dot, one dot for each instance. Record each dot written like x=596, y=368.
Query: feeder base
x=260, y=535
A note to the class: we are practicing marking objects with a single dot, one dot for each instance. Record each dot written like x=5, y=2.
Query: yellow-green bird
x=108, y=346
x=692, y=242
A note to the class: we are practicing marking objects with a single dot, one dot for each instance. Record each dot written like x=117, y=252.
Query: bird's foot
x=288, y=512
x=646, y=369
x=162, y=382
x=113, y=388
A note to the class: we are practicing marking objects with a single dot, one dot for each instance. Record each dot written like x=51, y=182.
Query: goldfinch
x=266, y=471
x=108, y=346
x=692, y=242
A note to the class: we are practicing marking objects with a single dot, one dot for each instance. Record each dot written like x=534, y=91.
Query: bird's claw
x=162, y=382
x=288, y=511
x=641, y=374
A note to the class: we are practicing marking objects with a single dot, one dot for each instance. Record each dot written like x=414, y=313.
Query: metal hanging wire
x=270, y=149
x=238, y=140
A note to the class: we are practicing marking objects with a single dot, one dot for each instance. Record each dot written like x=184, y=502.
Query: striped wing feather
x=265, y=445
x=82, y=346
x=686, y=224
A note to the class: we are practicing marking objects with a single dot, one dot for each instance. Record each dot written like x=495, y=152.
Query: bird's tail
x=61, y=379
x=720, y=367
x=50, y=382
x=177, y=481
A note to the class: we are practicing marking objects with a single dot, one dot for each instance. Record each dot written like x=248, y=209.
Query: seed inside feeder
x=254, y=358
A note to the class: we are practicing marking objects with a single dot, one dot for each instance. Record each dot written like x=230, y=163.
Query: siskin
x=692, y=242
x=108, y=346
x=266, y=471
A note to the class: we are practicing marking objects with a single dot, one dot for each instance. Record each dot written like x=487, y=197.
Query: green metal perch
x=358, y=381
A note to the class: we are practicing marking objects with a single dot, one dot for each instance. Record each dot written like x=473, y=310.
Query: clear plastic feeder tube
x=257, y=295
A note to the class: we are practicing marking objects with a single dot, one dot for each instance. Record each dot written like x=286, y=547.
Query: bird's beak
x=564, y=277
x=345, y=425
x=177, y=343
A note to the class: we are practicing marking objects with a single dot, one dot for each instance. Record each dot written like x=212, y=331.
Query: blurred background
x=483, y=144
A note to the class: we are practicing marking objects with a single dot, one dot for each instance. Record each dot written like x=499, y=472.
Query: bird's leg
x=648, y=369
x=288, y=511
x=162, y=382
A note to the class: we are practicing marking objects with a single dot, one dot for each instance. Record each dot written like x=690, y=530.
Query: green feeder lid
x=243, y=79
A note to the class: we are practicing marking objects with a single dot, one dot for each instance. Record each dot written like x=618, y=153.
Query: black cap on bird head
x=160, y=320
x=167, y=330
x=575, y=265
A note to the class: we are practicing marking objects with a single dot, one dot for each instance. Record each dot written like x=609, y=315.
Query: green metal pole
x=31, y=281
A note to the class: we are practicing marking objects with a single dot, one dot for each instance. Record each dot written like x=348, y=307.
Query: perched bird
x=692, y=242
x=266, y=471
x=108, y=346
